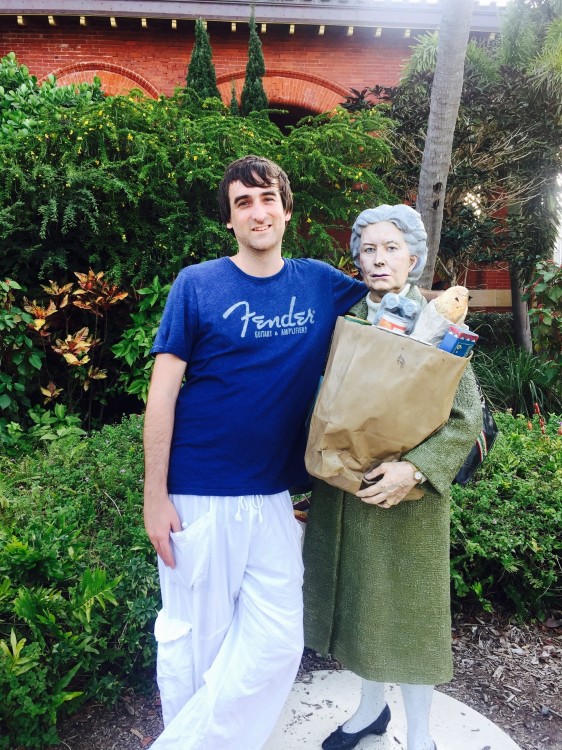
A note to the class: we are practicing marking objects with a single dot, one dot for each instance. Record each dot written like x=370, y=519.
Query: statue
x=377, y=588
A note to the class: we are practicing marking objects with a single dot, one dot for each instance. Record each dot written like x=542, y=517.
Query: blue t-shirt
x=255, y=349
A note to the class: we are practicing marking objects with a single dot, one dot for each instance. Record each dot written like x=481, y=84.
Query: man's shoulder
x=204, y=272
x=205, y=267
x=315, y=266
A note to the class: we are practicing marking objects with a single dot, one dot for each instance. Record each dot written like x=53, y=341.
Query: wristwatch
x=419, y=477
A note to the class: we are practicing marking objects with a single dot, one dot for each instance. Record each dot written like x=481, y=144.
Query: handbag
x=481, y=447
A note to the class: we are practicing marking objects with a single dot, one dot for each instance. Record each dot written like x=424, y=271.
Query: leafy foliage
x=78, y=584
x=201, y=76
x=56, y=424
x=514, y=379
x=30, y=699
x=57, y=349
x=545, y=295
x=495, y=329
x=19, y=358
x=129, y=184
x=91, y=184
x=136, y=341
x=505, y=542
x=501, y=201
x=23, y=101
x=254, y=98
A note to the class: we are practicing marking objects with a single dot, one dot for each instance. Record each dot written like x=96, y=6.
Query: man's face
x=257, y=217
x=384, y=259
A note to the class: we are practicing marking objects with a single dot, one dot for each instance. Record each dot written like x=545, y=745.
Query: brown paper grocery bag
x=382, y=395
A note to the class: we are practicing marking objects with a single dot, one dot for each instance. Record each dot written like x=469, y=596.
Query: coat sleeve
x=442, y=454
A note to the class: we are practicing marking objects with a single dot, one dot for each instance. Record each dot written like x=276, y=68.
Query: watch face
x=418, y=476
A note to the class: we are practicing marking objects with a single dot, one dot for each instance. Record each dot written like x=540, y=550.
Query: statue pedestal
x=327, y=698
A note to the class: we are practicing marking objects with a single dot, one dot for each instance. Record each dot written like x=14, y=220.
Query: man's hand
x=396, y=479
x=160, y=517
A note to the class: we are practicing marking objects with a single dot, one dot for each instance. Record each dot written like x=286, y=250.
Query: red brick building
x=314, y=50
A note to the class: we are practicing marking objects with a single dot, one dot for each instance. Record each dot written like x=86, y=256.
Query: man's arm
x=160, y=516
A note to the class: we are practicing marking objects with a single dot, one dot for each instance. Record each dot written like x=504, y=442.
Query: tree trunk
x=521, y=325
x=444, y=108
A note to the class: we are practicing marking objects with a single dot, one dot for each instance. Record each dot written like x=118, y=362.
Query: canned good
x=394, y=306
x=458, y=341
x=393, y=323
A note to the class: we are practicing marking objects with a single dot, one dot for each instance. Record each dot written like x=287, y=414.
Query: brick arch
x=115, y=79
x=288, y=88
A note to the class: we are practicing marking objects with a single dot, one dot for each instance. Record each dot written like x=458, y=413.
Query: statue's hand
x=395, y=480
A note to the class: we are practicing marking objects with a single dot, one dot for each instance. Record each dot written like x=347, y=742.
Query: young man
x=250, y=335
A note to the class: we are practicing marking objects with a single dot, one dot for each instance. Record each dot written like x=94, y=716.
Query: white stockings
x=417, y=704
x=372, y=703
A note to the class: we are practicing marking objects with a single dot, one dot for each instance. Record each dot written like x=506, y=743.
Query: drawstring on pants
x=256, y=502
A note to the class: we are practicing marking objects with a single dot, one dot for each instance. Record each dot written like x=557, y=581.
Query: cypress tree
x=253, y=94
x=234, y=108
x=201, y=76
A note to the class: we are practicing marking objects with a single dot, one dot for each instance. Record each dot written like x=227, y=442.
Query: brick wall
x=490, y=287
x=156, y=58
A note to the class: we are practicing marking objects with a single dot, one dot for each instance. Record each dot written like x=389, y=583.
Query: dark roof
x=415, y=14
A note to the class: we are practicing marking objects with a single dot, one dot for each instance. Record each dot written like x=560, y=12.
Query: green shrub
x=128, y=184
x=515, y=380
x=133, y=348
x=78, y=583
x=495, y=329
x=20, y=359
x=506, y=542
x=57, y=348
x=29, y=698
x=23, y=100
x=545, y=296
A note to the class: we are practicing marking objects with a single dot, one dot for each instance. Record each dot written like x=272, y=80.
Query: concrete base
x=328, y=698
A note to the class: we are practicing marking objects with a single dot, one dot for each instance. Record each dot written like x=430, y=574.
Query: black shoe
x=340, y=740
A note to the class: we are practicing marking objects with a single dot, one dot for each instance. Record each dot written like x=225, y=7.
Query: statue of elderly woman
x=377, y=588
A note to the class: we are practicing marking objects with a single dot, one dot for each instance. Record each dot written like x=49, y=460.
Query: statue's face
x=384, y=259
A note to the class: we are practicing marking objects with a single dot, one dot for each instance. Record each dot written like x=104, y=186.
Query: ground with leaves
x=507, y=671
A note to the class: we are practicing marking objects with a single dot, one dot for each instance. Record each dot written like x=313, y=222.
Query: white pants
x=230, y=630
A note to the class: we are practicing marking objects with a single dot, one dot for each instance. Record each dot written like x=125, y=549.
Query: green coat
x=377, y=581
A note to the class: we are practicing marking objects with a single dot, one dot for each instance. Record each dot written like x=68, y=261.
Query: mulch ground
x=509, y=672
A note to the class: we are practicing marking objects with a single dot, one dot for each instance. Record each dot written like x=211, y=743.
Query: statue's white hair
x=407, y=220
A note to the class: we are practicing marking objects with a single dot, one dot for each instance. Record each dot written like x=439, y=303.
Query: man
x=250, y=335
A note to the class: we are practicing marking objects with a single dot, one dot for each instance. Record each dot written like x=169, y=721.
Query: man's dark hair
x=254, y=171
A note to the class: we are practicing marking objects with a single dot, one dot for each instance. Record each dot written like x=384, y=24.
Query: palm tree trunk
x=521, y=325
x=444, y=108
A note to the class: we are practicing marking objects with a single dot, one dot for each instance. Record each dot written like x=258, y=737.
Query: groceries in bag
x=397, y=313
x=441, y=323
